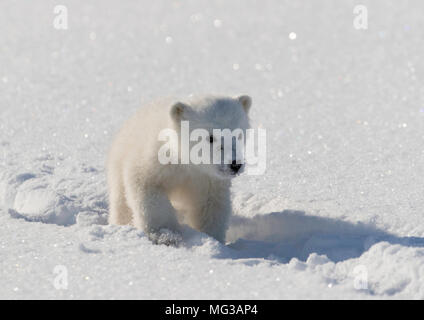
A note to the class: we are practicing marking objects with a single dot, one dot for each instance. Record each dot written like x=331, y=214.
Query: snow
x=338, y=213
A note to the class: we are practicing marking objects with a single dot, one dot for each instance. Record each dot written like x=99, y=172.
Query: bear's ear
x=177, y=111
x=246, y=102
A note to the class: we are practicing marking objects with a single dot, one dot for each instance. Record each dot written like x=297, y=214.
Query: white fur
x=154, y=197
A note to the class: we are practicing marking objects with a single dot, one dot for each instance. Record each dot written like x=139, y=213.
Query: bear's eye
x=211, y=139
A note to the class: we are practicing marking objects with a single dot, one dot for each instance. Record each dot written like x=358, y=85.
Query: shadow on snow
x=291, y=234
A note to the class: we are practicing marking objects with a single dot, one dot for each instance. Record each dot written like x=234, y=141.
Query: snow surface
x=342, y=196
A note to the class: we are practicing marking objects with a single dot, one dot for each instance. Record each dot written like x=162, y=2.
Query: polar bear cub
x=157, y=197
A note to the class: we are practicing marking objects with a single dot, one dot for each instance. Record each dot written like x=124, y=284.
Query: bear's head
x=213, y=131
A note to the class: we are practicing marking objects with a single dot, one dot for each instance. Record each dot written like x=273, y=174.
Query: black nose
x=235, y=166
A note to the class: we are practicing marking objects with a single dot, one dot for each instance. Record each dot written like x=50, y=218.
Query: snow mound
x=53, y=195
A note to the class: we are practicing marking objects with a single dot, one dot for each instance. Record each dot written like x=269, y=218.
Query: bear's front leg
x=213, y=216
x=153, y=212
